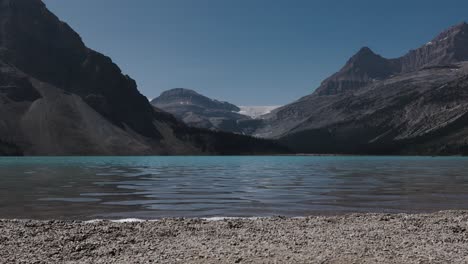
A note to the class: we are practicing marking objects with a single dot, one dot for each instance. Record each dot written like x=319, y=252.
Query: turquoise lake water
x=154, y=187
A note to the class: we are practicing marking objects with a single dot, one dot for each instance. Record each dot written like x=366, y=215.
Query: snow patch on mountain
x=257, y=111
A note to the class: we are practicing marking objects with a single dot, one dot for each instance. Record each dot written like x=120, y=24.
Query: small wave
x=222, y=218
x=125, y=220
x=209, y=219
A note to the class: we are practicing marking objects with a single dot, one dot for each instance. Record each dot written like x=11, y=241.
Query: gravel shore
x=356, y=238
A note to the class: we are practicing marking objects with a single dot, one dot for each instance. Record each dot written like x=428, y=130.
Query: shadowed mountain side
x=61, y=123
x=35, y=41
x=425, y=112
x=225, y=143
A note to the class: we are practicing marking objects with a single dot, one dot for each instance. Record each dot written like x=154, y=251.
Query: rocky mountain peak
x=361, y=69
x=368, y=62
x=197, y=110
x=454, y=31
x=179, y=92
x=450, y=46
x=452, y=38
x=183, y=96
x=363, y=53
x=36, y=42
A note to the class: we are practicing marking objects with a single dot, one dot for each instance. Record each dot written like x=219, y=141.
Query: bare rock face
x=450, y=46
x=416, y=104
x=423, y=112
x=362, y=69
x=58, y=97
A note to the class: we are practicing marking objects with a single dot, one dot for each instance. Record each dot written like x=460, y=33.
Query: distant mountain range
x=58, y=97
x=415, y=104
x=200, y=111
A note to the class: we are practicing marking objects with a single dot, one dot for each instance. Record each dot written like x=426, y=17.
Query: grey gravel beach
x=355, y=238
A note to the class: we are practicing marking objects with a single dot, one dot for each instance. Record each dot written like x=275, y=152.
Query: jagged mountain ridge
x=448, y=47
x=58, y=97
x=360, y=70
x=416, y=105
x=365, y=67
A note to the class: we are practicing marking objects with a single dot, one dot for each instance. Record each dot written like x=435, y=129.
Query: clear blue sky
x=250, y=52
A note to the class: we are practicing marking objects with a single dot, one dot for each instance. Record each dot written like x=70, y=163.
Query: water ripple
x=154, y=187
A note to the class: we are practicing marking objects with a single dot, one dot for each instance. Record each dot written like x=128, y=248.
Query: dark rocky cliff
x=37, y=42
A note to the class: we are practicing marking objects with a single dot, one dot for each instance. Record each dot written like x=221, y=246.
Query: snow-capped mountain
x=200, y=111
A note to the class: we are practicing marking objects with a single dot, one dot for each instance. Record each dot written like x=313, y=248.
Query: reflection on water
x=155, y=187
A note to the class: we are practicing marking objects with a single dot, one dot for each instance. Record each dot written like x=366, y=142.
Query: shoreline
x=440, y=237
